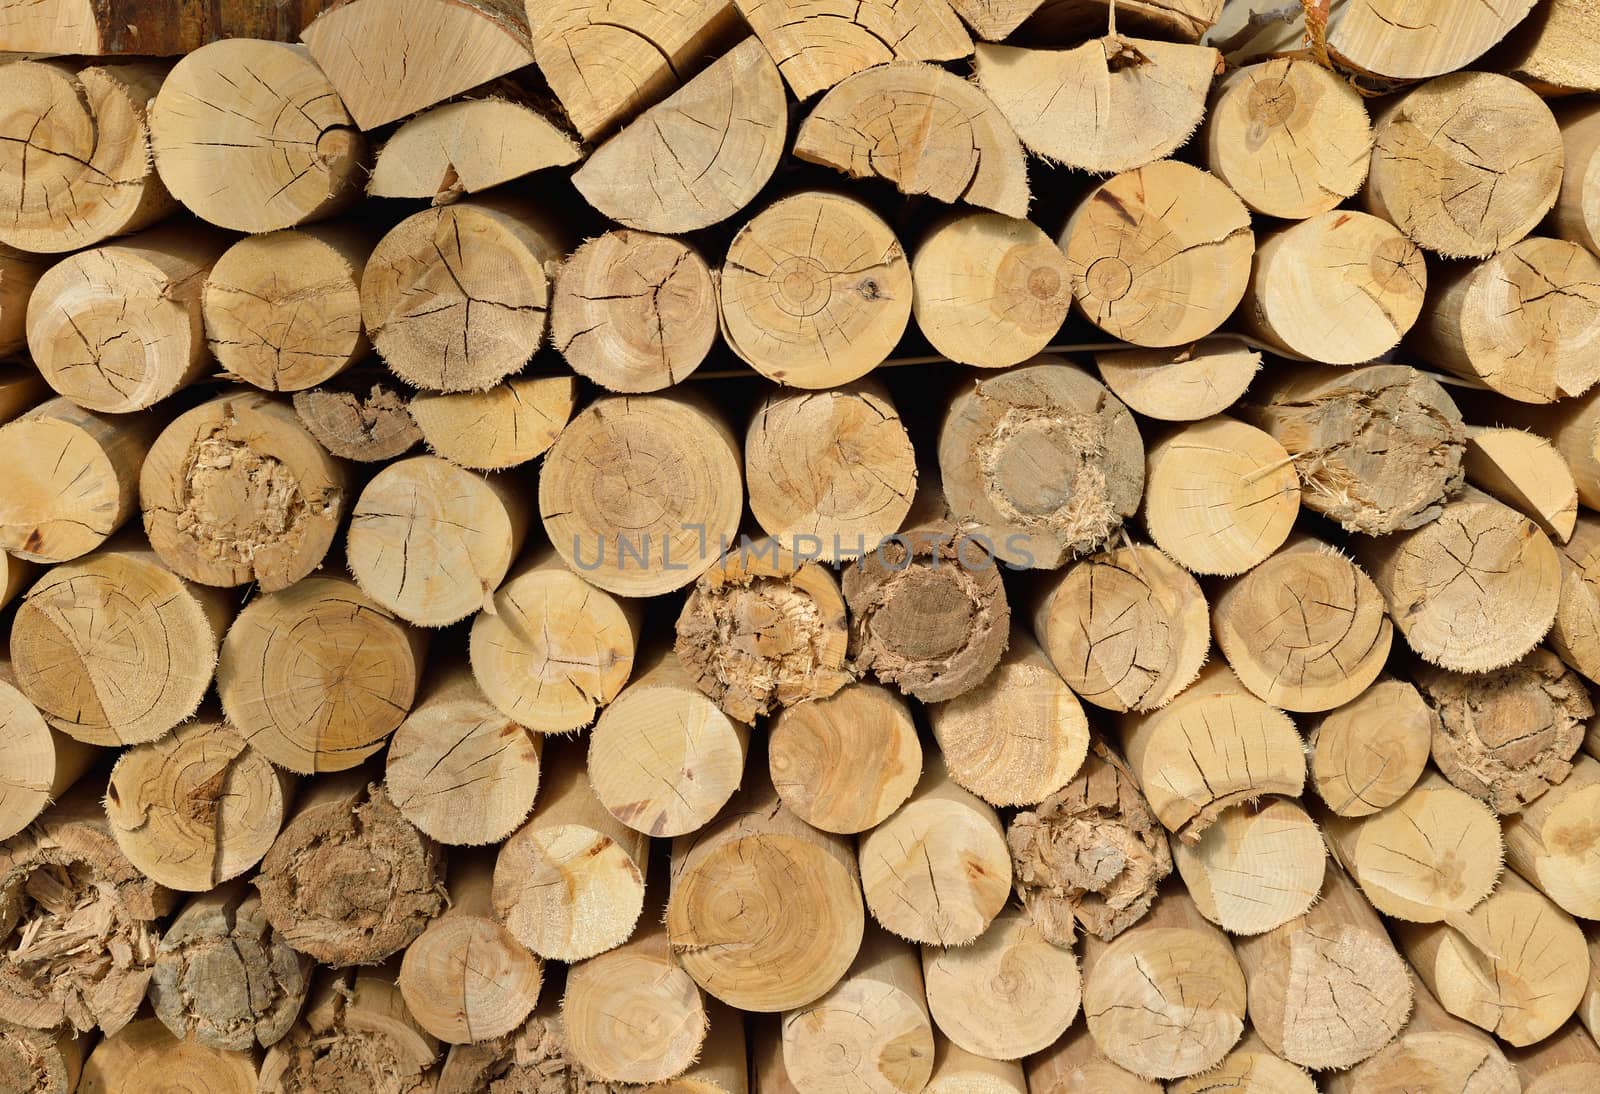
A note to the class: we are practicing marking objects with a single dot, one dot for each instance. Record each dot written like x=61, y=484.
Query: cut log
x=144, y=1057
x=1409, y=43
x=1174, y=971
x=15, y=576
x=1075, y=1065
x=1378, y=449
x=845, y=763
x=1565, y=1063
x=283, y=310
x=736, y=881
x=994, y=20
x=816, y=290
x=1551, y=843
x=555, y=649
x=363, y=421
x=463, y=147
x=663, y=758
x=634, y=312
x=118, y=328
x=41, y=763
x=724, y=1065
x=1544, y=51
x=640, y=495
x=699, y=156
x=1009, y=994
x=1577, y=212
x=508, y=425
x=1366, y=754
x=464, y=528
x=237, y=490
x=833, y=469
x=1525, y=471
x=1160, y=255
x=989, y=290
x=79, y=141
x=35, y=1061
x=133, y=26
x=21, y=386
x=1575, y=636
x=114, y=648
x=19, y=273
x=1466, y=164
x=922, y=129
x=1258, y=867
x=1341, y=288
x=356, y=1034
x=528, y=1060
x=945, y=901
x=317, y=676
x=1184, y=384
x=1305, y=630
x=820, y=43
x=1111, y=104
x=1573, y=426
x=1040, y=463
x=1250, y=1068
x=56, y=510
x=349, y=881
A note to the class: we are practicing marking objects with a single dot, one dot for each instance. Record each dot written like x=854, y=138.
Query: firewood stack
x=800, y=546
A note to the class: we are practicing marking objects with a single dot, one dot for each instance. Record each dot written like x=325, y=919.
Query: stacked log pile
x=799, y=547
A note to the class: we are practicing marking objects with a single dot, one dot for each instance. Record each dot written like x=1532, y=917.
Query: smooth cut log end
x=1415, y=46
x=1250, y=1068
x=367, y=422
x=1366, y=754
x=1551, y=843
x=1183, y=384
x=1256, y=868
x=1528, y=473
x=1076, y=1065
x=820, y=46
x=467, y=146
x=508, y=425
x=145, y=1056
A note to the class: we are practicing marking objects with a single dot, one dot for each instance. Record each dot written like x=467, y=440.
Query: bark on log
x=1258, y=867
x=1565, y=1063
x=1525, y=471
x=359, y=420
x=137, y=26
x=356, y=1034
x=464, y=147
x=35, y=1061
x=144, y=1057
x=1182, y=384
x=1076, y=1065
x=1576, y=215
x=1575, y=636
x=41, y=763
x=1366, y=754
x=1551, y=843
x=508, y=425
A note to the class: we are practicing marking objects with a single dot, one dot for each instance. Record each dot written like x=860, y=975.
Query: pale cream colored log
x=1525, y=471
x=1183, y=384
x=1545, y=51
x=1576, y=215
x=1366, y=754
x=144, y=1057
x=1250, y=1068
x=1564, y=1063
x=40, y=762
x=463, y=147
x=1421, y=39
x=994, y=20
x=1076, y=1065
x=1575, y=636
x=1258, y=867
x=1573, y=426
x=36, y=1061
x=819, y=44
x=506, y=426
x=355, y=1034
x=19, y=274
x=1552, y=842
x=362, y=420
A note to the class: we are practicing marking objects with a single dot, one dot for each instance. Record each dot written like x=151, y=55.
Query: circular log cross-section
x=1183, y=384
x=144, y=1056
x=41, y=763
x=1552, y=841
x=1420, y=38
x=1366, y=754
x=506, y=426
x=1259, y=866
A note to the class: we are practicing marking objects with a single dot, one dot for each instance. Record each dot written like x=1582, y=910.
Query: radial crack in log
x=463, y=147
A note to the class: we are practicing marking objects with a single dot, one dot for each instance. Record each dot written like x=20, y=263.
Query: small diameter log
x=1214, y=746
x=1127, y=629
x=35, y=1061
x=663, y=758
x=145, y=1058
x=1259, y=866
x=283, y=310
x=40, y=762
x=724, y=1064
x=1018, y=737
x=237, y=490
x=459, y=769
x=508, y=425
x=467, y=978
x=1112, y=104
x=938, y=871
x=735, y=882
x=19, y=274
x=816, y=290
x=1342, y=288
x=356, y=1034
x=1076, y=1065
x=75, y=163
x=1220, y=496
x=1160, y=255
x=988, y=289
x=820, y=45
x=363, y=421
x=114, y=648
x=1041, y=462
x=1290, y=137
x=118, y=328
x=835, y=469
x=463, y=147
x=922, y=129
x=1366, y=754
x=1576, y=215
x=1508, y=735
x=464, y=529
x=634, y=312
x=1573, y=426
x=845, y=763
x=1306, y=630
x=1525, y=471
x=1183, y=384
x=1174, y=971
x=1551, y=843
x=57, y=509
x=1452, y=201
x=638, y=495
x=420, y=284
x=349, y=881
x=251, y=136
x=22, y=387
x=570, y=883
x=1429, y=858
x=1564, y=1063
x=555, y=649
x=1250, y=1068
x=1575, y=636
x=699, y=156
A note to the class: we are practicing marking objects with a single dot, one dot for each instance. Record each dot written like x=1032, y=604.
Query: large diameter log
x=1366, y=754
x=144, y=1057
x=40, y=762
x=505, y=426
x=466, y=146
x=36, y=1061
x=1180, y=384
x=1258, y=867
x=1551, y=843
x=1075, y=1064
x=1411, y=45
x=356, y=1034
x=1575, y=636
x=1564, y=1063
x=134, y=26
x=75, y=165
x=1576, y=215
x=358, y=420
x=1545, y=50
x=1525, y=471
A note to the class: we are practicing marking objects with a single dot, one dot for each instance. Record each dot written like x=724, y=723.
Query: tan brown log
x=223, y=978
x=349, y=881
x=570, y=883
x=1251, y=1067
x=1112, y=104
x=118, y=328
x=724, y=1064
x=1182, y=384
x=283, y=310
x=1076, y=1065
x=1564, y=1063
x=75, y=164
x=1214, y=746
x=1173, y=20
x=1366, y=754
x=1573, y=426
x=459, y=769
x=700, y=155
x=238, y=491
x=639, y=495
x=1575, y=636
x=663, y=757
x=508, y=425
x=988, y=289
x=144, y=1057
x=938, y=871
x=922, y=129
x=114, y=648
x=1455, y=202
x=40, y=762
x=138, y=27
x=1525, y=471
x=832, y=469
x=555, y=650
x=819, y=45
x=358, y=420
x=1041, y=462
x=467, y=146
x=21, y=386
x=1544, y=50
x=35, y=1061
x=993, y=20
x=816, y=290
x=1172, y=971
x=15, y=576
x=1551, y=842
x=19, y=273
x=1258, y=867
x=355, y=1034
x=634, y=312
x=1576, y=215
x=1589, y=1008
x=845, y=763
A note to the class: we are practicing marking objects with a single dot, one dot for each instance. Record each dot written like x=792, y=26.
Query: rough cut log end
x=367, y=422
x=1259, y=866
x=1183, y=384
x=1366, y=754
